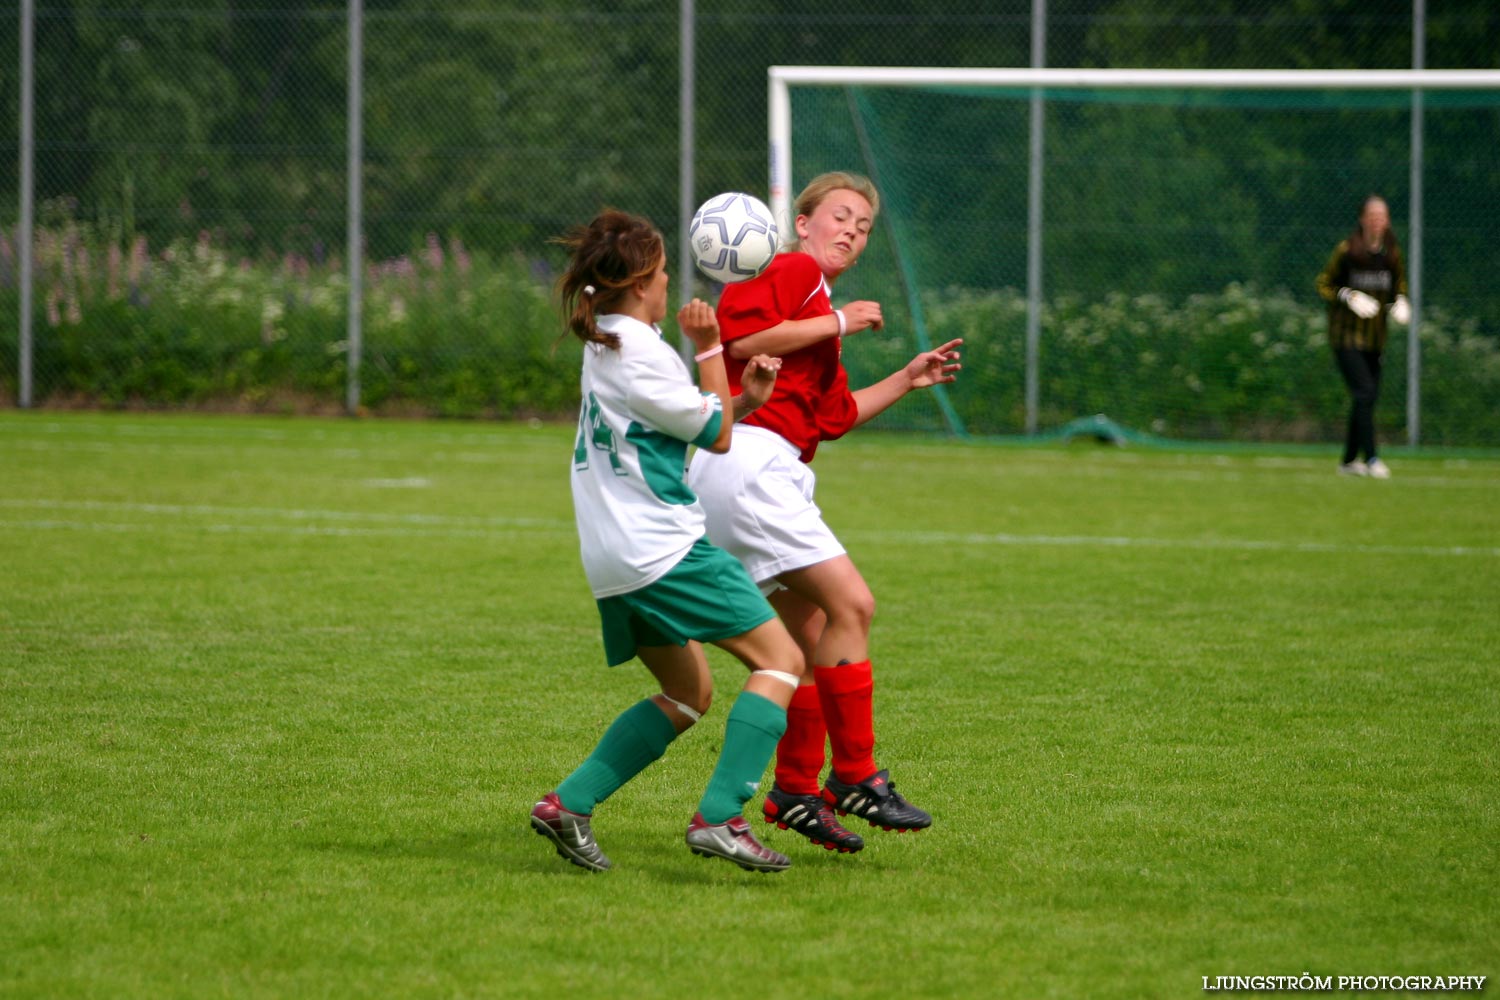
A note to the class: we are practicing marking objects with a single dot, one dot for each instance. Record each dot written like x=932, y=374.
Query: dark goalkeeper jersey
x=1380, y=275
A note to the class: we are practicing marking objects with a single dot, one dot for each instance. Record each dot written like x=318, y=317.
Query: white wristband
x=843, y=324
x=713, y=351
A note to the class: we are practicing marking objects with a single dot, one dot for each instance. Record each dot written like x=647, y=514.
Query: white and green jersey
x=636, y=516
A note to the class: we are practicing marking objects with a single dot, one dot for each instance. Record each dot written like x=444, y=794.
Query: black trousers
x=1361, y=371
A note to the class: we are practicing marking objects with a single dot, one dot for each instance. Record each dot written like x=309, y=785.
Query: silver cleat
x=569, y=833
x=733, y=841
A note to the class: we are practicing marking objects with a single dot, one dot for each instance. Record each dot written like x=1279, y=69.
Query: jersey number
x=593, y=430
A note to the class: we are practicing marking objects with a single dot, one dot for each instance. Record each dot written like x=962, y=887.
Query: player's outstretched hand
x=698, y=323
x=861, y=315
x=759, y=378
x=934, y=367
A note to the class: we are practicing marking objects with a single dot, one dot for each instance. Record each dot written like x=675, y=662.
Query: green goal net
x=1177, y=238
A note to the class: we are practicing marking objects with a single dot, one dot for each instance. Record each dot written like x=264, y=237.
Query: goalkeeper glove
x=1364, y=306
x=1401, y=310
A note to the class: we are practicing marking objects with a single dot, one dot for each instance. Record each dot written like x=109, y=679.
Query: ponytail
x=579, y=305
x=608, y=256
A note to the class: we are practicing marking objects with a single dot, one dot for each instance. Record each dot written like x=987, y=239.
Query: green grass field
x=277, y=695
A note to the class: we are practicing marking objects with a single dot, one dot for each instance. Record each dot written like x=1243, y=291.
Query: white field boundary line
x=220, y=528
x=1220, y=468
x=287, y=514
x=1195, y=544
x=418, y=525
x=177, y=449
x=226, y=430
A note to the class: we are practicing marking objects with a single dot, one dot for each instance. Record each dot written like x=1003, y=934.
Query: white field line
x=1196, y=544
x=412, y=523
x=240, y=520
x=1147, y=474
x=177, y=449
x=221, y=528
x=228, y=430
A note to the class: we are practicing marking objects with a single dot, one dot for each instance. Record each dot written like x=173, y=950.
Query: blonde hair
x=822, y=186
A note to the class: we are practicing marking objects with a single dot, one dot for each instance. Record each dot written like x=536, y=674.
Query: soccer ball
x=733, y=237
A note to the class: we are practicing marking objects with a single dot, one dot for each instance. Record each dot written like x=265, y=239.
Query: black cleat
x=810, y=816
x=876, y=801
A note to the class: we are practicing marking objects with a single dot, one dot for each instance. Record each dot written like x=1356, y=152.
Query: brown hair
x=606, y=257
x=822, y=186
x=1359, y=251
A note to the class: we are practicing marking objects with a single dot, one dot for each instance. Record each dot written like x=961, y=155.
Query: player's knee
x=786, y=654
x=791, y=680
x=806, y=640
x=789, y=659
x=777, y=654
x=691, y=705
x=855, y=609
x=771, y=646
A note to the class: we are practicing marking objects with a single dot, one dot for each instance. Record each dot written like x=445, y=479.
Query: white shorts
x=759, y=500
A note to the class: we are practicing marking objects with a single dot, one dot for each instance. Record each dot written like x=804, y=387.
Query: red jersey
x=812, y=401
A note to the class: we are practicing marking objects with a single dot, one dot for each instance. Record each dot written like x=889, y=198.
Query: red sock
x=799, y=755
x=846, y=693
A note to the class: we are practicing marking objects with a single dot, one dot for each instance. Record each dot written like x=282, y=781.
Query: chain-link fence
x=191, y=166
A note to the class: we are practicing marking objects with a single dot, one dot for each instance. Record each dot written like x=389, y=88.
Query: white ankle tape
x=780, y=675
x=690, y=713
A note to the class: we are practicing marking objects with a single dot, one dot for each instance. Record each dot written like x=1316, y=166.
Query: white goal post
x=782, y=78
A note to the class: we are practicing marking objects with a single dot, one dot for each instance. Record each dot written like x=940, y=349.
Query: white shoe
x=1376, y=469
x=1356, y=468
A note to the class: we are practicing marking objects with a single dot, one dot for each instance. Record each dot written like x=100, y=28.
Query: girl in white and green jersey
x=662, y=589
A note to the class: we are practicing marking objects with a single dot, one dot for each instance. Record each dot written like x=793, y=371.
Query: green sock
x=750, y=735
x=637, y=737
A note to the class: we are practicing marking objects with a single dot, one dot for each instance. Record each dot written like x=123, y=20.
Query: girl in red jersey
x=759, y=502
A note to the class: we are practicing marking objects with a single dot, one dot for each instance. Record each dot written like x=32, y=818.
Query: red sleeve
x=779, y=294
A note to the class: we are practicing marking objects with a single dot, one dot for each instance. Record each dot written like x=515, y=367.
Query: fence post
x=686, y=94
x=24, y=236
x=1414, y=234
x=1035, y=173
x=356, y=202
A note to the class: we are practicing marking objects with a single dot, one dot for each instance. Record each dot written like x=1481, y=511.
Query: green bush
x=445, y=333
x=1238, y=364
x=454, y=334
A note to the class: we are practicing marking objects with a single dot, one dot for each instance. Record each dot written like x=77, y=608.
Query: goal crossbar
x=1229, y=79
x=780, y=78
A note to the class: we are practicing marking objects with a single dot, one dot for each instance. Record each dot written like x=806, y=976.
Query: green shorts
x=706, y=596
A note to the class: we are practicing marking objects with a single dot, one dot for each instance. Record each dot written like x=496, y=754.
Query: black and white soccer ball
x=733, y=237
